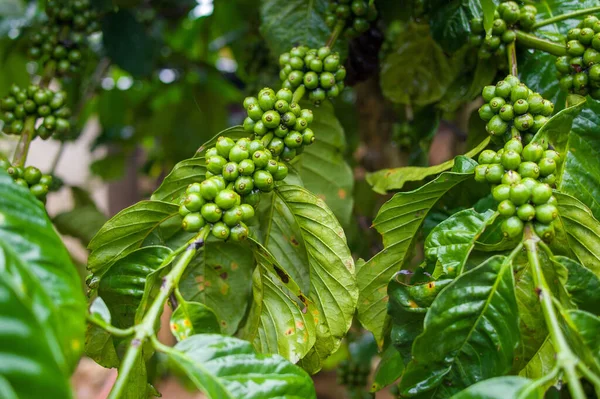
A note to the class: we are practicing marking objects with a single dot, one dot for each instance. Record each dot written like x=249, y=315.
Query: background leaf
x=220, y=277
x=122, y=286
x=310, y=246
x=581, y=171
x=279, y=321
x=582, y=231
x=583, y=286
x=404, y=79
x=127, y=231
x=288, y=23
x=450, y=242
x=498, y=388
x=394, y=179
x=38, y=255
x=192, y=318
x=27, y=348
x=323, y=168
x=471, y=332
x=449, y=21
x=227, y=368
x=127, y=42
x=398, y=221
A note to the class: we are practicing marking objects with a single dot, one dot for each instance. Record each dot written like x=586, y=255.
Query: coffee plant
x=486, y=285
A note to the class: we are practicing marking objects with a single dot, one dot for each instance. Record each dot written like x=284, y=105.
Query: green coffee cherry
x=220, y=230
x=546, y=213
x=480, y=173
x=193, y=222
x=239, y=232
x=512, y=227
x=511, y=160
x=547, y=166
x=211, y=212
x=244, y=185
x=501, y=192
x=526, y=212
x=529, y=169
x=532, y=152
x=263, y=180
x=511, y=177
x=194, y=202
x=494, y=173
x=545, y=231
x=519, y=194
x=506, y=208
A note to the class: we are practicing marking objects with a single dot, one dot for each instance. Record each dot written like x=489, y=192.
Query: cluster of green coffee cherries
x=65, y=53
x=61, y=42
x=508, y=17
x=75, y=14
x=357, y=16
x=522, y=180
x=319, y=70
x=353, y=374
x=579, y=70
x=30, y=178
x=280, y=123
x=39, y=105
x=511, y=107
x=237, y=173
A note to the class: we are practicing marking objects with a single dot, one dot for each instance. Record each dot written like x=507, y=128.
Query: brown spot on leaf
x=234, y=266
x=223, y=323
x=282, y=275
x=223, y=275
x=218, y=267
x=174, y=327
x=224, y=289
x=187, y=322
x=294, y=241
x=413, y=304
x=302, y=298
x=342, y=193
x=289, y=331
x=431, y=285
x=300, y=324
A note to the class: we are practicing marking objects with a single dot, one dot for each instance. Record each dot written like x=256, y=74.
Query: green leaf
x=281, y=318
x=220, y=277
x=310, y=246
x=394, y=179
x=541, y=364
x=127, y=43
x=323, y=168
x=407, y=308
x=27, y=346
x=449, y=21
x=581, y=171
x=122, y=285
x=127, y=230
x=450, y=242
x=191, y=170
x=582, y=231
x=488, y=8
x=35, y=255
x=404, y=79
x=531, y=321
x=582, y=285
x=398, y=221
x=471, y=332
x=552, y=8
x=584, y=328
x=499, y=388
x=228, y=368
x=99, y=343
x=192, y=318
x=80, y=222
x=389, y=369
x=285, y=23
